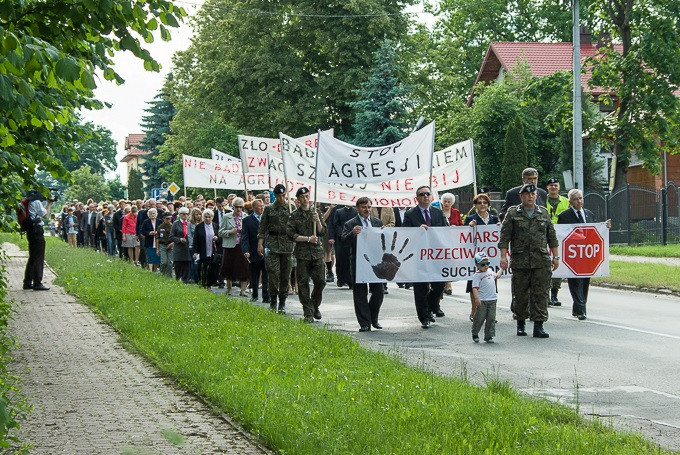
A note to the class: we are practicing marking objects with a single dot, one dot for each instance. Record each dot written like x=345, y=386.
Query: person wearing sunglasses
x=426, y=295
x=485, y=295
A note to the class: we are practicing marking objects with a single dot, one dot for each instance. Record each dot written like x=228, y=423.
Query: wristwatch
x=556, y=257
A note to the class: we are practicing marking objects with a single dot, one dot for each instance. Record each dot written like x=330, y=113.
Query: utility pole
x=578, y=123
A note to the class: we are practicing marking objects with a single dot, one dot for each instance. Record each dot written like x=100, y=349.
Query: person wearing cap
x=305, y=227
x=556, y=204
x=279, y=248
x=484, y=296
x=165, y=244
x=527, y=232
x=512, y=198
x=426, y=295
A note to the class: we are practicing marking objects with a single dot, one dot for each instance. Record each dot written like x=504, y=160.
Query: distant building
x=544, y=59
x=134, y=156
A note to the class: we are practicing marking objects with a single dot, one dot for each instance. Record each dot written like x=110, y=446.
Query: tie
x=580, y=217
x=365, y=222
x=184, y=226
x=428, y=220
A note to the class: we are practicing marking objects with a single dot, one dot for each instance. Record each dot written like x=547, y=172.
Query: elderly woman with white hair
x=234, y=264
x=453, y=215
x=179, y=234
x=110, y=231
x=207, y=249
x=149, y=231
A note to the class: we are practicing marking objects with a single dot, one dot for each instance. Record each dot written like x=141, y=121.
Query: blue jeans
x=111, y=242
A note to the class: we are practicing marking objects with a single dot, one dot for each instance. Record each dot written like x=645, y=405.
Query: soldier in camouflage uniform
x=309, y=253
x=277, y=260
x=528, y=231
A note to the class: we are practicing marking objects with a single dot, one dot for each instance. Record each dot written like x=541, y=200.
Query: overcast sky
x=130, y=99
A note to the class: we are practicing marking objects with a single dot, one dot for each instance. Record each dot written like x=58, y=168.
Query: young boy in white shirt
x=485, y=296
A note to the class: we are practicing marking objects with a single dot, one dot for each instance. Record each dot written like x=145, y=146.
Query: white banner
x=254, y=150
x=340, y=162
x=300, y=160
x=407, y=255
x=221, y=156
x=452, y=167
x=205, y=173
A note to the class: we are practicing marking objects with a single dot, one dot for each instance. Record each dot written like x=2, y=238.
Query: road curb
x=627, y=287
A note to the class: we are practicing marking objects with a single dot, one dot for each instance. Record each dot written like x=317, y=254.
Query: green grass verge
x=657, y=251
x=307, y=390
x=643, y=275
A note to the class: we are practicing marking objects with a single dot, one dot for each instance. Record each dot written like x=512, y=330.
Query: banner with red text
x=254, y=150
x=205, y=173
x=407, y=255
x=340, y=162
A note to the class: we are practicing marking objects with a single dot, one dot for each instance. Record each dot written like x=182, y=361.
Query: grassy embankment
x=307, y=390
x=659, y=251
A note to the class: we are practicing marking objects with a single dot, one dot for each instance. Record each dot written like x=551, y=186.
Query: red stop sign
x=583, y=250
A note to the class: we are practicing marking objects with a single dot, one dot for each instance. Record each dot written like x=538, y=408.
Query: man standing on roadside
x=338, y=217
x=556, y=205
x=366, y=310
x=305, y=226
x=35, y=235
x=279, y=250
x=426, y=295
x=249, y=243
x=527, y=232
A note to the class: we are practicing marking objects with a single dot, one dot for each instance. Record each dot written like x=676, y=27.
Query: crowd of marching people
x=265, y=245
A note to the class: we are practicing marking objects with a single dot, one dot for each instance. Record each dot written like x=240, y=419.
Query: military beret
x=302, y=190
x=553, y=180
x=279, y=189
x=483, y=189
x=528, y=188
x=167, y=215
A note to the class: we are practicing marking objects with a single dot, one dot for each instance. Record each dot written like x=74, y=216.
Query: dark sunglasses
x=484, y=264
x=423, y=194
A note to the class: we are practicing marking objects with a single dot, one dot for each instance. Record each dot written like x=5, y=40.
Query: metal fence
x=639, y=214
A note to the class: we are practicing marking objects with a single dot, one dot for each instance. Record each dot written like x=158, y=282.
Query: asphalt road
x=621, y=365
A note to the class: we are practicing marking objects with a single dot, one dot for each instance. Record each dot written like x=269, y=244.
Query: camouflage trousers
x=555, y=284
x=316, y=270
x=278, y=267
x=531, y=285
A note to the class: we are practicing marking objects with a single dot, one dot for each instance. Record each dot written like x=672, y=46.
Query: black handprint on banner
x=389, y=265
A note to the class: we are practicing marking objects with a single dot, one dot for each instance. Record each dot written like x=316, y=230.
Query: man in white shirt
x=36, y=242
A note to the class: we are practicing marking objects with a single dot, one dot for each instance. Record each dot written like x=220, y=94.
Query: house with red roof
x=544, y=59
x=134, y=156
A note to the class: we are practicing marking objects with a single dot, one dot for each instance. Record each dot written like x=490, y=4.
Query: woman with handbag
x=206, y=249
x=234, y=264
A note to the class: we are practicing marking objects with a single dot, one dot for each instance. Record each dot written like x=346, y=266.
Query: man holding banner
x=366, y=310
x=528, y=231
x=305, y=226
x=426, y=295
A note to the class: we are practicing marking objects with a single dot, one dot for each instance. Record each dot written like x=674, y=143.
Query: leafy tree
x=642, y=79
x=156, y=125
x=382, y=108
x=135, y=185
x=116, y=188
x=87, y=185
x=515, y=158
x=96, y=149
x=293, y=69
x=50, y=52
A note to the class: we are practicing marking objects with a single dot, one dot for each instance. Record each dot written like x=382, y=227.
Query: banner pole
x=285, y=174
x=316, y=166
x=243, y=171
x=474, y=168
x=432, y=156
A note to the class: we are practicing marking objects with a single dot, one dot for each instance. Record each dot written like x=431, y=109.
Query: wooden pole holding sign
x=285, y=176
x=316, y=166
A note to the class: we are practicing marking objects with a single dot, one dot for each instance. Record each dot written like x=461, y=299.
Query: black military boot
x=538, y=330
x=282, y=305
x=272, y=303
x=553, y=298
x=521, y=328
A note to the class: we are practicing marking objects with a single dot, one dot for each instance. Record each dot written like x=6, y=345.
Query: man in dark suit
x=529, y=177
x=118, y=228
x=143, y=215
x=250, y=226
x=366, y=310
x=339, y=216
x=426, y=295
x=576, y=214
x=88, y=225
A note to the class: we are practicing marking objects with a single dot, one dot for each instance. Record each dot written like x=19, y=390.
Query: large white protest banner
x=340, y=162
x=447, y=253
x=254, y=150
x=205, y=173
x=299, y=161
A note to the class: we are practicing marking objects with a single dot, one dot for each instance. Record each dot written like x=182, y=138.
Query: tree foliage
x=515, y=158
x=96, y=148
x=116, y=188
x=381, y=111
x=135, y=185
x=50, y=52
x=156, y=125
x=294, y=69
x=642, y=79
x=87, y=185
